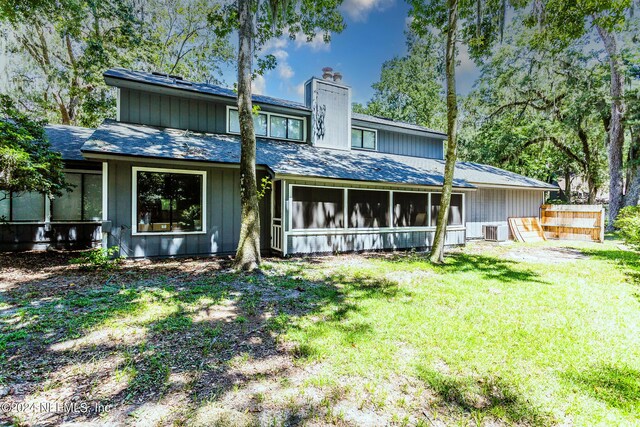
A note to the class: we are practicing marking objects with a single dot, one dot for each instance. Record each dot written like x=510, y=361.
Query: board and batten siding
x=492, y=206
x=222, y=210
x=154, y=109
x=354, y=240
x=409, y=145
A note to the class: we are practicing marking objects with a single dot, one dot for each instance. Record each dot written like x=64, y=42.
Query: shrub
x=628, y=221
x=99, y=259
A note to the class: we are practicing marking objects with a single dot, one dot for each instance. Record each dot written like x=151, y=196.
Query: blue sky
x=375, y=33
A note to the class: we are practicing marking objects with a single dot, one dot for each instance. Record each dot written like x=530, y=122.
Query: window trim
x=134, y=200
x=290, y=231
x=269, y=114
x=375, y=145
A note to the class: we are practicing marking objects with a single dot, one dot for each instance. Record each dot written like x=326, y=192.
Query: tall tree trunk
x=437, y=251
x=248, y=254
x=632, y=197
x=567, y=185
x=616, y=128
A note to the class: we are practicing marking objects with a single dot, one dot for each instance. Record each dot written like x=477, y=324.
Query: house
x=162, y=179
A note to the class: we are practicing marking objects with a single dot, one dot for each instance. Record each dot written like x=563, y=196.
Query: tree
x=560, y=23
x=258, y=21
x=410, y=87
x=478, y=27
x=26, y=160
x=538, y=114
x=59, y=54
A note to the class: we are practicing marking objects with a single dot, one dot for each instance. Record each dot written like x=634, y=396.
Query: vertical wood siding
x=170, y=111
x=222, y=210
x=409, y=145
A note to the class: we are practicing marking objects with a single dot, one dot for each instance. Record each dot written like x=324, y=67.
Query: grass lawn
x=543, y=334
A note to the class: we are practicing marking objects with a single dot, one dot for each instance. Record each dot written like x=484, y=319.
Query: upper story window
x=270, y=125
x=363, y=139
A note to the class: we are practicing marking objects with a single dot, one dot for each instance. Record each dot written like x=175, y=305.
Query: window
x=270, y=125
x=363, y=138
x=83, y=202
x=317, y=207
x=169, y=201
x=286, y=127
x=259, y=123
x=455, y=209
x=22, y=207
x=368, y=209
x=410, y=209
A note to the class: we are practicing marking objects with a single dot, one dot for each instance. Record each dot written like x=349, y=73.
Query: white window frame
x=269, y=114
x=290, y=231
x=375, y=145
x=134, y=200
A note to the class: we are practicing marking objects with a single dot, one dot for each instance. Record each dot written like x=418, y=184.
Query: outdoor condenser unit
x=495, y=233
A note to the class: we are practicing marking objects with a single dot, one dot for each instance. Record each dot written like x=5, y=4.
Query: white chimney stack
x=337, y=77
x=327, y=73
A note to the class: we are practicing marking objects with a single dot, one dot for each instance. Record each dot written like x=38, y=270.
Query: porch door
x=276, y=216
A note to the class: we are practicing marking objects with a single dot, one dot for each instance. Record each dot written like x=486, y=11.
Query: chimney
x=327, y=73
x=330, y=103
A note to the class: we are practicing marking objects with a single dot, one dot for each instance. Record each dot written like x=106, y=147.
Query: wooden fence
x=573, y=222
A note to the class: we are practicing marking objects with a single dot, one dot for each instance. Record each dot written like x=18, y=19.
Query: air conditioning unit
x=495, y=233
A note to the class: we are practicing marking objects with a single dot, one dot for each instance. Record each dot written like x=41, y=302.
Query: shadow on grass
x=617, y=386
x=628, y=260
x=482, y=396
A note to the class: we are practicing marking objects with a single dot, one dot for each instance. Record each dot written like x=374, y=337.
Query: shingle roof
x=205, y=88
x=291, y=158
x=68, y=140
x=389, y=122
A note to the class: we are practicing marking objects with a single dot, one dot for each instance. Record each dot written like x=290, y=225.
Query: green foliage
x=265, y=186
x=99, y=259
x=410, y=87
x=26, y=160
x=628, y=222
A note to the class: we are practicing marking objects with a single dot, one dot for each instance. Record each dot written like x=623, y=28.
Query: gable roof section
x=68, y=140
x=203, y=88
x=289, y=158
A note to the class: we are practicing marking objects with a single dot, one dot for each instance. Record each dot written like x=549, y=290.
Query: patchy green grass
x=538, y=334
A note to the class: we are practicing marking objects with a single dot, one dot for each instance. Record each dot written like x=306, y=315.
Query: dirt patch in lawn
x=545, y=255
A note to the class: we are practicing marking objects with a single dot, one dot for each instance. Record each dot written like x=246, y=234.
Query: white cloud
x=259, y=85
x=359, y=10
x=299, y=89
x=284, y=70
x=316, y=44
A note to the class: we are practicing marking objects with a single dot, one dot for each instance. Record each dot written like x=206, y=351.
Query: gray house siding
x=341, y=240
x=40, y=236
x=222, y=211
x=155, y=109
x=409, y=145
x=491, y=206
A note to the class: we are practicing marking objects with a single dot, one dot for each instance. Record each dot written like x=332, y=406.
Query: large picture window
x=363, y=138
x=317, y=207
x=83, y=203
x=410, y=209
x=270, y=125
x=169, y=201
x=17, y=207
x=368, y=209
x=455, y=209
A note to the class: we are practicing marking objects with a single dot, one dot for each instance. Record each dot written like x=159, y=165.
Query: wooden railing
x=276, y=237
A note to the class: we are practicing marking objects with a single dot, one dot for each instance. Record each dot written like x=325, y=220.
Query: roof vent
x=173, y=76
x=337, y=77
x=327, y=73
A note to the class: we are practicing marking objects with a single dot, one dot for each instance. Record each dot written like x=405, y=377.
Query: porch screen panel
x=27, y=207
x=368, y=209
x=410, y=209
x=68, y=207
x=317, y=207
x=5, y=206
x=455, y=209
x=92, y=197
x=169, y=202
x=277, y=199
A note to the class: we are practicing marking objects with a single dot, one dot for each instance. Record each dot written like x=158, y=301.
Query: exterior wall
x=40, y=236
x=350, y=240
x=161, y=110
x=222, y=210
x=491, y=206
x=408, y=144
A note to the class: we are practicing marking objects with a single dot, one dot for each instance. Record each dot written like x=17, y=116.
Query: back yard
x=527, y=335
